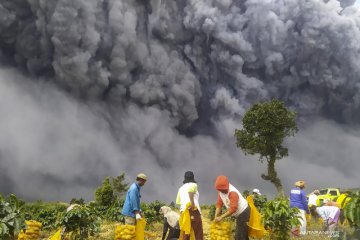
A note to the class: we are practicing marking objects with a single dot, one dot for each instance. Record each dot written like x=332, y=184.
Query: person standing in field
x=236, y=205
x=298, y=200
x=131, y=209
x=313, y=201
x=188, y=200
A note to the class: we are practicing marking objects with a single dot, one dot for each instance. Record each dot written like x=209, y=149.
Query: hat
x=255, y=190
x=221, y=183
x=142, y=176
x=316, y=192
x=299, y=184
x=189, y=177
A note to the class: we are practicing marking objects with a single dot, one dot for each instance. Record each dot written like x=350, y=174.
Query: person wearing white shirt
x=188, y=193
x=330, y=215
x=312, y=203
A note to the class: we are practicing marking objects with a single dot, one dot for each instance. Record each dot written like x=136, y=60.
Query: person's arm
x=305, y=202
x=191, y=196
x=165, y=230
x=219, y=205
x=135, y=201
x=178, y=199
x=192, y=190
x=234, y=202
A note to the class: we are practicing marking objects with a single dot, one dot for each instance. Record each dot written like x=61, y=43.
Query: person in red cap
x=236, y=205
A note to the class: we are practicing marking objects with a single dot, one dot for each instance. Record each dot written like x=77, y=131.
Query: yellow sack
x=57, y=235
x=185, y=223
x=140, y=229
x=255, y=226
x=125, y=232
x=220, y=231
x=308, y=219
x=33, y=224
x=22, y=235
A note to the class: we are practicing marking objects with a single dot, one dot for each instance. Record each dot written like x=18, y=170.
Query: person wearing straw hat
x=131, y=209
x=298, y=200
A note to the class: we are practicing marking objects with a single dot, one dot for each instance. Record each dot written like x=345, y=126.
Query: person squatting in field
x=171, y=224
x=236, y=205
x=188, y=200
x=131, y=209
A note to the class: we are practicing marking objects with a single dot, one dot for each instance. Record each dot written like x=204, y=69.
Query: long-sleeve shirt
x=132, y=201
x=298, y=199
x=234, y=200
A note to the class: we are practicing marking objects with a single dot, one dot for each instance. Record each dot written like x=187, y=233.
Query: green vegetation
x=11, y=217
x=352, y=214
x=81, y=221
x=104, y=195
x=279, y=218
x=265, y=126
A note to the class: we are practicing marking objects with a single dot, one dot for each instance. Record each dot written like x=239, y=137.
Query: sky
x=92, y=89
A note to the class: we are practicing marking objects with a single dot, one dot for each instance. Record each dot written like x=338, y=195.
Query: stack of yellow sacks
x=32, y=232
x=125, y=232
x=220, y=231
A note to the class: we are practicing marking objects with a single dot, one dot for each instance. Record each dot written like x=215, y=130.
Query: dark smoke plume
x=160, y=86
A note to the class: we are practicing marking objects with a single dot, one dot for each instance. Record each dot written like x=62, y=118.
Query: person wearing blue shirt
x=131, y=209
x=298, y=200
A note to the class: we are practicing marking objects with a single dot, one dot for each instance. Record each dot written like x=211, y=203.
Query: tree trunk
x=273, y=178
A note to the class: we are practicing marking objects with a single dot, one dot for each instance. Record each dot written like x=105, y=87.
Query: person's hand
x=191, y=207
x=138, y=216
x=218, y=219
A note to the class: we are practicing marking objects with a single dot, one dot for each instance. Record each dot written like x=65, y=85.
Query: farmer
x=131, y=209
x=188, y=199
x=313, y=201
x=256, y=192
x=236, y=206
x=298, y=200
x=330, y=215
x=171, y=223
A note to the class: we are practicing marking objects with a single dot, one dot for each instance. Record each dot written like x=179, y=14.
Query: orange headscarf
x=222, y=183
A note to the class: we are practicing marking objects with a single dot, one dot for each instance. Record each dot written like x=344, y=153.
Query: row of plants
x=82, y=221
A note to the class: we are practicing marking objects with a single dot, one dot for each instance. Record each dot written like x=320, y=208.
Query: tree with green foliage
x=265, y=126
x=104, y=195
x=119, y=185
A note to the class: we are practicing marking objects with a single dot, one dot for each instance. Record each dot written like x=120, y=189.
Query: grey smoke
x=161, y=85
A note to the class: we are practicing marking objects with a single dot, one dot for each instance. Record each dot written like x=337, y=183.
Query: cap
x=142, y=176
x=257, y=191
